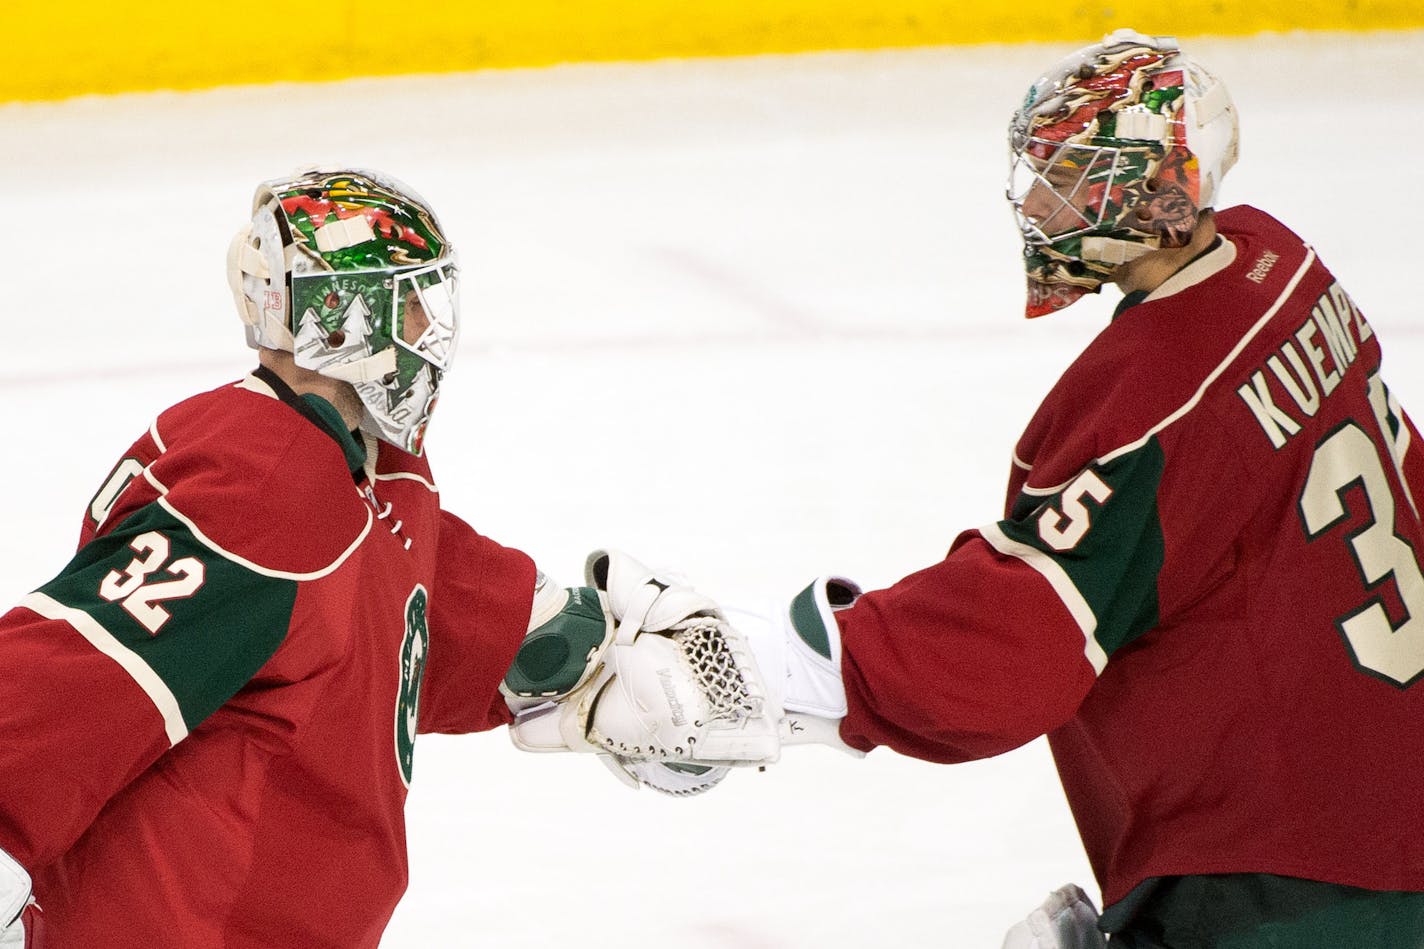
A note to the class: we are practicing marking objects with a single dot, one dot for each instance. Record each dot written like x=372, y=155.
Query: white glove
x=1066, y=920
x=673, y=690
x=14, y=897
x=798, y=648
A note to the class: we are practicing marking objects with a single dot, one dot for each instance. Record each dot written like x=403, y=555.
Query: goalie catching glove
x=649, y=674
x=644, y=671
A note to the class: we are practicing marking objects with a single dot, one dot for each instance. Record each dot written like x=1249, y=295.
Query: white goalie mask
x=1115, y=152
x=349, y=271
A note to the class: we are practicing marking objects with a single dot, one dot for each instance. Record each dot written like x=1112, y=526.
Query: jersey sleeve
x=141, y=637
x=479, y=612
x=1001, y=642
x=965, y=659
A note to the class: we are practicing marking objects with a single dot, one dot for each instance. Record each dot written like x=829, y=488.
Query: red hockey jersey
x=1206, y=590
x=207, y=720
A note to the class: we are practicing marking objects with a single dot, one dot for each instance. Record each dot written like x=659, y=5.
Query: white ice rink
x=753, y=320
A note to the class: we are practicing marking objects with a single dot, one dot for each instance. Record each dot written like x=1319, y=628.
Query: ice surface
x=752, y=320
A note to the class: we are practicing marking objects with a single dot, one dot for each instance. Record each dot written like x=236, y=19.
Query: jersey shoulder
x=1159, y=360
x=1243, y=219
x=251, y=478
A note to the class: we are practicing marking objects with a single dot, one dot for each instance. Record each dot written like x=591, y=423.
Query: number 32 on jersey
x=132, y=587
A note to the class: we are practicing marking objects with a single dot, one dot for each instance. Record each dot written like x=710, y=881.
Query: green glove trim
x=806, y=620
x=553, y=658
x=683, y=767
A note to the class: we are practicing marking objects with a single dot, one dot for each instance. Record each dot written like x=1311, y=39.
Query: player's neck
x=340, y=394
x=1150, y=271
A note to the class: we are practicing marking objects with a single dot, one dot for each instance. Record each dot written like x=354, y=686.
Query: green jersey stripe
x=1103, y=533
x=107, y=643
x=201, y=623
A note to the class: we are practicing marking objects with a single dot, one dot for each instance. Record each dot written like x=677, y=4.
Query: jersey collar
x=1216, y=258
x=319, y=412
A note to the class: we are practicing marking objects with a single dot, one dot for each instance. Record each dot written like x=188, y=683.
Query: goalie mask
x=1114, y=153
x=350, y=272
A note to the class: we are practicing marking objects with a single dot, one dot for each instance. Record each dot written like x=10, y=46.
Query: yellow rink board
x=59, y=48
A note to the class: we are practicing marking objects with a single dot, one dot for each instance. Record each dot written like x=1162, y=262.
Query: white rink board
x=753, y=320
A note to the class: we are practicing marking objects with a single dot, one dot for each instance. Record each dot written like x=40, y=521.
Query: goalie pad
x=1066, y=920
x=676, y=683
x=14, y=897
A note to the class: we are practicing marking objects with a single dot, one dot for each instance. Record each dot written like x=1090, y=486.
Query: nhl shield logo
x=412, y=670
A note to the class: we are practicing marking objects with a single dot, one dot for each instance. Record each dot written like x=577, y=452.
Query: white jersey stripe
x=407, y=476
x=157, y=439
x=1062, y=585
x=104, y=641
x=254, y=384
x=257, y=568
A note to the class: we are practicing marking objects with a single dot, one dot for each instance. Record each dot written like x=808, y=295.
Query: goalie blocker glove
x=798, y=649
x=644, y=671
x=14, y=897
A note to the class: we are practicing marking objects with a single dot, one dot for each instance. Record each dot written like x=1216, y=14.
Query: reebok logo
x=1263, y=266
